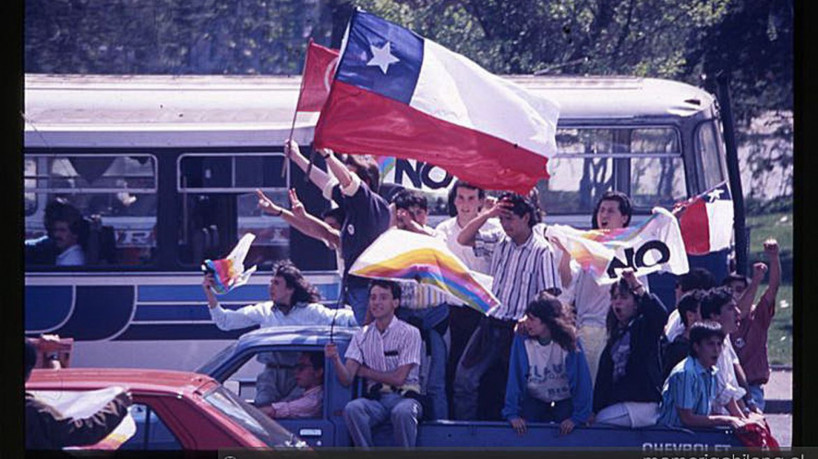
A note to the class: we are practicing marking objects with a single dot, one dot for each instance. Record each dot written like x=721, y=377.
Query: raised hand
x=771, y=248
x=759, y=269
x=295, y=204
x=267, y=205
x=291, y=148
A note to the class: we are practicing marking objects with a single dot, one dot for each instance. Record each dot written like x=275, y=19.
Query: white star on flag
x=715, y=194
x=382, y=57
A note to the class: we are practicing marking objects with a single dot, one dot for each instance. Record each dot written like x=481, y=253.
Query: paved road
x=779, y=389
x=781, y=427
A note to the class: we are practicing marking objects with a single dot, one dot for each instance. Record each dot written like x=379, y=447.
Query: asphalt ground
x=778, y=397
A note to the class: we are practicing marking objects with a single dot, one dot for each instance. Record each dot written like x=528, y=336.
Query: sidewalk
x=778, y=411
x=778, y=392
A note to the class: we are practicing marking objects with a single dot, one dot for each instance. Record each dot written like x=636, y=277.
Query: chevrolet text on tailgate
x=236, y=367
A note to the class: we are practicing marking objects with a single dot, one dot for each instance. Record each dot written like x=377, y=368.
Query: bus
x=165, y=168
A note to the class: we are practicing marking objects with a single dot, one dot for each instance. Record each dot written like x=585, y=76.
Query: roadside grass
x=779, y=340
x=775, y=225
x=779, y=226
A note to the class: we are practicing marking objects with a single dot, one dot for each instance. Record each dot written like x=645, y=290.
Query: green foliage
x=170, y=36
x=749, y=39
x=753, y=45
x=569, y=36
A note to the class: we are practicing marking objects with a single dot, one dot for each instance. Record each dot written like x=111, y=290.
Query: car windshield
x=247, y=416
x=209, y=367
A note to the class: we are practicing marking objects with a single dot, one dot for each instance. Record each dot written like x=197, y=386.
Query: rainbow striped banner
x=403, y=255
x=229, y=273
x=595, y=250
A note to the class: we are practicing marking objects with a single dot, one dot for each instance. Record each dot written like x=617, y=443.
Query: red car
x=173, y=409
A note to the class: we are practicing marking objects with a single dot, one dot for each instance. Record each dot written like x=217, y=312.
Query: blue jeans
x=757, y=394
x=490, y=342
x=358, y=299
x=362, y=414
x=436, y=382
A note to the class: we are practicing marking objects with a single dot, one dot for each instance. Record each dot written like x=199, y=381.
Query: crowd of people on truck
x=569, y=350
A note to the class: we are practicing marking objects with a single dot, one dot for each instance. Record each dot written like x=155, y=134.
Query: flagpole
x=286, y=163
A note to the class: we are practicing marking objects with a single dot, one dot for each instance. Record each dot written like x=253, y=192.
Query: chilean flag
x=706, y=220
x=398, y=94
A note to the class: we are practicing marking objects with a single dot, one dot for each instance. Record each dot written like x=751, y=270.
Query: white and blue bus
x=166, y=168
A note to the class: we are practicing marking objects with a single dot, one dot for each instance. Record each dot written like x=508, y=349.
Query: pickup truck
x=236, y=367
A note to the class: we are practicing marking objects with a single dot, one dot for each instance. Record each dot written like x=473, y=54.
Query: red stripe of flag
x=367, y=123
x=695, y=227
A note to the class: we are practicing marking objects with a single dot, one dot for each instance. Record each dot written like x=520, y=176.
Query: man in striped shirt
x=387, y=353
x=523, y=264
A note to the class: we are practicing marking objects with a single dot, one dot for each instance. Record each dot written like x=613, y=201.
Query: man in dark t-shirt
x=367, y=215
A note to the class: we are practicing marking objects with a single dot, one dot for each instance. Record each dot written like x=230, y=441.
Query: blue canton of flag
x=720, y=192
x=381, y=57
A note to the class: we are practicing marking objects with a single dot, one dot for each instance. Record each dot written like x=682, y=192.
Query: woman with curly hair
x=548, y=377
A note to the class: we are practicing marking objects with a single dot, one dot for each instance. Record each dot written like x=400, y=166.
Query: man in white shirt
x=69, y=230
x=293, y=302
x=387, y=353
x=465, y=203
x=719, y=306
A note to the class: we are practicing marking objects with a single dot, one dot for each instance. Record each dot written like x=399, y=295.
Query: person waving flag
x=398, y=94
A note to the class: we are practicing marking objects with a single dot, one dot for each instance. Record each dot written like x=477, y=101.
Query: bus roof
x=258, y=110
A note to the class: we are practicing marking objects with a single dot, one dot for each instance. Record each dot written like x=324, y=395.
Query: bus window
x=707, y=150
x=580, y=171
x=115, y=194
x=656, y=169
x=219, y=205
x=645, y=162
x=29, y=199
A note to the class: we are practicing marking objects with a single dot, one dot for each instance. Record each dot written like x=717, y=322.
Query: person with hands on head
x=386, y=352
x=629, y=381
x=750, y=340
x=492, y=209
x=548, y=378
x=522, y=265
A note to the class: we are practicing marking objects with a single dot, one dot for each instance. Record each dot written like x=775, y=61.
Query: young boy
x=690, y=390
